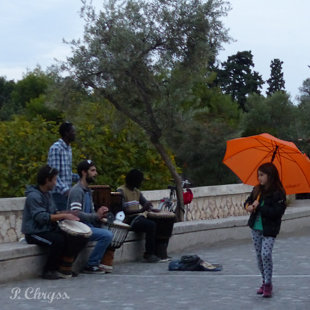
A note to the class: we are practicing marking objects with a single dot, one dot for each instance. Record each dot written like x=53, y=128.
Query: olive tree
x=144, y=56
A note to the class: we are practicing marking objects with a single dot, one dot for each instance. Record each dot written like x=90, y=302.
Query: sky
x=32, y=33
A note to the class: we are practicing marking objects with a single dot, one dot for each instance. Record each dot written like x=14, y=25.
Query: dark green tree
x=275, y=115
x=198, y=139
x=33, y=85
x=276, y=81
x=305, y=90
x=302, y=119
x=237, y=78
x=144, y=56
x=6, y=88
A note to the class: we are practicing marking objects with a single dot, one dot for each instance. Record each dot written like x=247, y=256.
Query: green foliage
x=145, y=56
x=237, y=78
x=116, y=145
x=198, y=138
x=23, y=148
x=276, y=82
x=6, y=88
x=275, y=115
x=37, y=106
x=33, y=85
x=302, y=118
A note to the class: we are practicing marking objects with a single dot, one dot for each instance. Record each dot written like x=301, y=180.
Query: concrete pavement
x=137, y=285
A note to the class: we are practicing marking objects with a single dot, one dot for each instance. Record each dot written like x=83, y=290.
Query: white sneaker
x=107, y=269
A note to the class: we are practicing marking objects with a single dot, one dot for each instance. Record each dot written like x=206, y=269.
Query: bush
x=24, y=147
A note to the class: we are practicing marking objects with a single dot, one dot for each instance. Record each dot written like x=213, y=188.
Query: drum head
x=121, y=224
x=74, y=227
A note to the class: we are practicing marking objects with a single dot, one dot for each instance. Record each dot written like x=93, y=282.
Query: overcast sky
x=31, y=33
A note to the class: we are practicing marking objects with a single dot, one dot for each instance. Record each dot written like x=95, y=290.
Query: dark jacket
x=37, y=211
x=271, y=212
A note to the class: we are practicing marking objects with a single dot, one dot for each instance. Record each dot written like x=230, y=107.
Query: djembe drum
x=164, y=222
x=116, y=202
x=120, y=231
x=75, y=228
x=101, y=195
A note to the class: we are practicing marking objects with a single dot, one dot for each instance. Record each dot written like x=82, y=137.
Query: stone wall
x=210, y=202
x=214, y=202
x=11, y=210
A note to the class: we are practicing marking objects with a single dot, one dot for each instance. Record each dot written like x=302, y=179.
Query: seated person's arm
x=42, y=216
x=147, y=205
x=75, y=203
x=63, y=216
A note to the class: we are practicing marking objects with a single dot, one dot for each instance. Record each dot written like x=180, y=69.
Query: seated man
x=136, y=216
x=80, y=199
x=40, y=227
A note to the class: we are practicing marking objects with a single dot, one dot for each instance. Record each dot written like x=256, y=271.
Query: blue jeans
x=103, y=237
x=60, y=201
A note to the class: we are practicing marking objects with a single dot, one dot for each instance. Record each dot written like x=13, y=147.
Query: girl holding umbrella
x=266, y=204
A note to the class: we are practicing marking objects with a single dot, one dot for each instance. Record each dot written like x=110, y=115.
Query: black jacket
x=271, y=212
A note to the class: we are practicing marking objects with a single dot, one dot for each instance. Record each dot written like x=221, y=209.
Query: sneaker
x=106, y=268
x=260, y=291
x=94, y=269
x=166, y=259
x=63, y=275
x=151, y=258
x=267, y=290
x=50, y=275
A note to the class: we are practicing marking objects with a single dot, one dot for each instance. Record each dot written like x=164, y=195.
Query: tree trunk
x=176, y=177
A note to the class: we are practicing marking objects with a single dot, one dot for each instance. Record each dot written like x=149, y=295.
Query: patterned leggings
x=263, y=247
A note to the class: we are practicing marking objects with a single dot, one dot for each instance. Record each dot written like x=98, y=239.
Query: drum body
x=164, y=222
x=75, y=228
x=101, y=195
x=116, y=202
x=120, y=231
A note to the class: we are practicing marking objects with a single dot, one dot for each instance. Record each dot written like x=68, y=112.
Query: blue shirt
x=60, y=158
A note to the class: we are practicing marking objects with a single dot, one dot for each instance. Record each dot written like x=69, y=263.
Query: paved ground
x=135, y=286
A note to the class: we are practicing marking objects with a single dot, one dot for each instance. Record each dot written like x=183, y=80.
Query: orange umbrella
x=244, y=155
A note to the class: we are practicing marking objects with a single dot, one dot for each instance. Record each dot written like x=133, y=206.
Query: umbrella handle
x=274, y=153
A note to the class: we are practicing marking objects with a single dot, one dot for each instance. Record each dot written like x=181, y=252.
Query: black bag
x=192, y=263
x=186, y=263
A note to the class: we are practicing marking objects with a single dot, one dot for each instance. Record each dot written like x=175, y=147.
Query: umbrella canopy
x=244, y=155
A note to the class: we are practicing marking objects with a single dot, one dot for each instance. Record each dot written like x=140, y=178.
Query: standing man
x=80, y=199
x=60, y=158
x=40, y=227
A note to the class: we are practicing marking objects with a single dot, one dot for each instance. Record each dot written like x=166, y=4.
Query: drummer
x=40, y=227
x=135, y=206
x=80, y=199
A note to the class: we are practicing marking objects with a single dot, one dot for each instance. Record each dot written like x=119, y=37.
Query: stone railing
x=11, y=210
x=210, y=202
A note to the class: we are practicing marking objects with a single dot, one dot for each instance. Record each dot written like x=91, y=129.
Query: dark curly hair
x=134, y=178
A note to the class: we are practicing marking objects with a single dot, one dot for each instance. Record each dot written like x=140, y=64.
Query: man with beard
x=80, y=199
x=60, y=158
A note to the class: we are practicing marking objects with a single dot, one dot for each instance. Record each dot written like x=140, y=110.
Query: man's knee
x=106, y=235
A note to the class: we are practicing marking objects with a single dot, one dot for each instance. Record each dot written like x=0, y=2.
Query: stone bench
x=20, y=260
